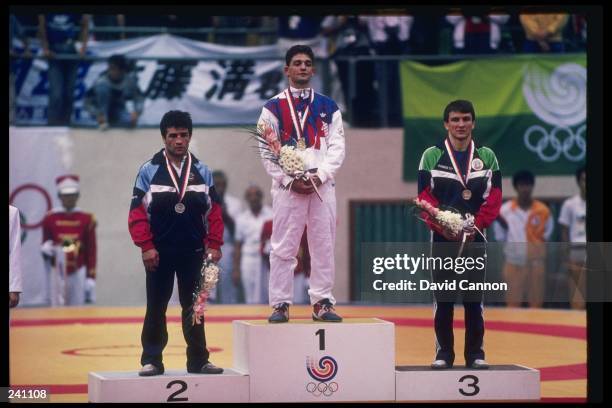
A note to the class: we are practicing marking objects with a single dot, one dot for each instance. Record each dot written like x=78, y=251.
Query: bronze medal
x=179, y=208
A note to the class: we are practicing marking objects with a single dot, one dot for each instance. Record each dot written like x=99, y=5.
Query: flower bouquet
x=451, y=221
x=209, y=275
x=291, y=160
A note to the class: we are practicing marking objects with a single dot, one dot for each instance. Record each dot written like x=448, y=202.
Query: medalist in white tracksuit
x=315, y=118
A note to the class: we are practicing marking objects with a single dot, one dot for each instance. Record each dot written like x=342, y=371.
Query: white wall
x=108, y=162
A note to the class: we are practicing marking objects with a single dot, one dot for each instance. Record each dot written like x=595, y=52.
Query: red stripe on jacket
x=214, y=238
x=489, y=210
x=140, y=230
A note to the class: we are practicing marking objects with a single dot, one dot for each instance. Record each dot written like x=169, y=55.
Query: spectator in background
x=154, y=24
x=543, y=32
x=116, y=21
x=247, y=245
x=349, y=38
x=301, y=30
x=425, y=34
x=390, y=35
x=228, y=291
x=575, y=33
x=572, y=220
x=525, y=224
x=476, y=34
x=16, y=32
x=58, y=34
x=69, y=248
x=235, y=23
x=15, y=275
x=115, y=98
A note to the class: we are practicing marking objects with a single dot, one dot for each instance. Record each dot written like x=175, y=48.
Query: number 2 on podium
x=321, y=334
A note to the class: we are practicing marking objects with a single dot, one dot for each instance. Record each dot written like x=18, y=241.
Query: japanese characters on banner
x=230, y=87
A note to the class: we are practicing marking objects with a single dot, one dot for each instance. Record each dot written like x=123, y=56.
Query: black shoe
x=280, y=314
x=149, y=370
x=324, y=311
x=208, y=368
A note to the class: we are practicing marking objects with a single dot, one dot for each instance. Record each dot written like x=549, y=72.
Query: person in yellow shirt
x=543, y=32
x=524, y=224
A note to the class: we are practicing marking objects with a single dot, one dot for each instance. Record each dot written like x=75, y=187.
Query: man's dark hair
x=219, y=174
x=175, y=119
x=298, y=49
x=579, y=171
x=119, y=61
x=523, y=177
x=461, y=106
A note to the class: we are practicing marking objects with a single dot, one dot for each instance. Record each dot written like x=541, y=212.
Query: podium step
x=498, y=383
x=307, y=361
x=172, y=386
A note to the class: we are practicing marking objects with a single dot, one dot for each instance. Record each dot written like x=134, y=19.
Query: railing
x=33, y=30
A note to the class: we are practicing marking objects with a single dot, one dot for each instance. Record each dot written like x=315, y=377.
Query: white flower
x=291, y=161
x=210, y=277
x=451, y=220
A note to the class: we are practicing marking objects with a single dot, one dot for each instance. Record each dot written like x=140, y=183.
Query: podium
x=307, y=361
x=498, y=383
x=173, y=386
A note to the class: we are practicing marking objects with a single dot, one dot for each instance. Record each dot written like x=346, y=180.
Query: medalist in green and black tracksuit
x=468, y=182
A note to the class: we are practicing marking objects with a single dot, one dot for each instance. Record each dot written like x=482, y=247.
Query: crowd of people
x=337, y=38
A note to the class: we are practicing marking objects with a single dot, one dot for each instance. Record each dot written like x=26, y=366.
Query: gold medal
x=466, y=194
x=301, y=144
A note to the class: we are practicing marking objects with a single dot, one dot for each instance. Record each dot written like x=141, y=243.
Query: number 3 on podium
x=473, y=385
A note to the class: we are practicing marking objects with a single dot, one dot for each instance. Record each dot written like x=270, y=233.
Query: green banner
x=530, y=109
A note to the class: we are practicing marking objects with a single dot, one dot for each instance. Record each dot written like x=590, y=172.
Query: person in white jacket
x=477, y=34
x=15, y=286
x=308, y=121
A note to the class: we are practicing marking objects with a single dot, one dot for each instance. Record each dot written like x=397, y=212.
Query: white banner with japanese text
x=229, y=87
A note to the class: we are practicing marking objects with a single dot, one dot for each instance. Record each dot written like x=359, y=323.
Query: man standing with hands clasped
x=175, y=217
x=458, y=174
x=310, y=122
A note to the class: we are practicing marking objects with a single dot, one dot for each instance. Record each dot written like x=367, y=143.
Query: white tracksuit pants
x=250, y=274
x=291, y=212
x=66, y=290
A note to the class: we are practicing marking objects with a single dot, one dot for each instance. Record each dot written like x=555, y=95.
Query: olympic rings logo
x=549, y=146
x=39, y=190
x=318, y=389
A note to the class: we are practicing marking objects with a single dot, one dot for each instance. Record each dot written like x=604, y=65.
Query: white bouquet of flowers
x=209, y=276
x=451, y=221
x=292, y=160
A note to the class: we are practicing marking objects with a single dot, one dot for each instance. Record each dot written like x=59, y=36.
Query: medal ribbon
x=298, y=125
x=180, y=192
x=454, y=162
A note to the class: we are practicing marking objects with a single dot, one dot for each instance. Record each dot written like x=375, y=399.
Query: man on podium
x=459, y=175
x=174, y=218
x=312, y=124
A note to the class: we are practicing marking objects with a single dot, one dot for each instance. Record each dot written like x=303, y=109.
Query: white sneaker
x=479, y=364
x=440, y=365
